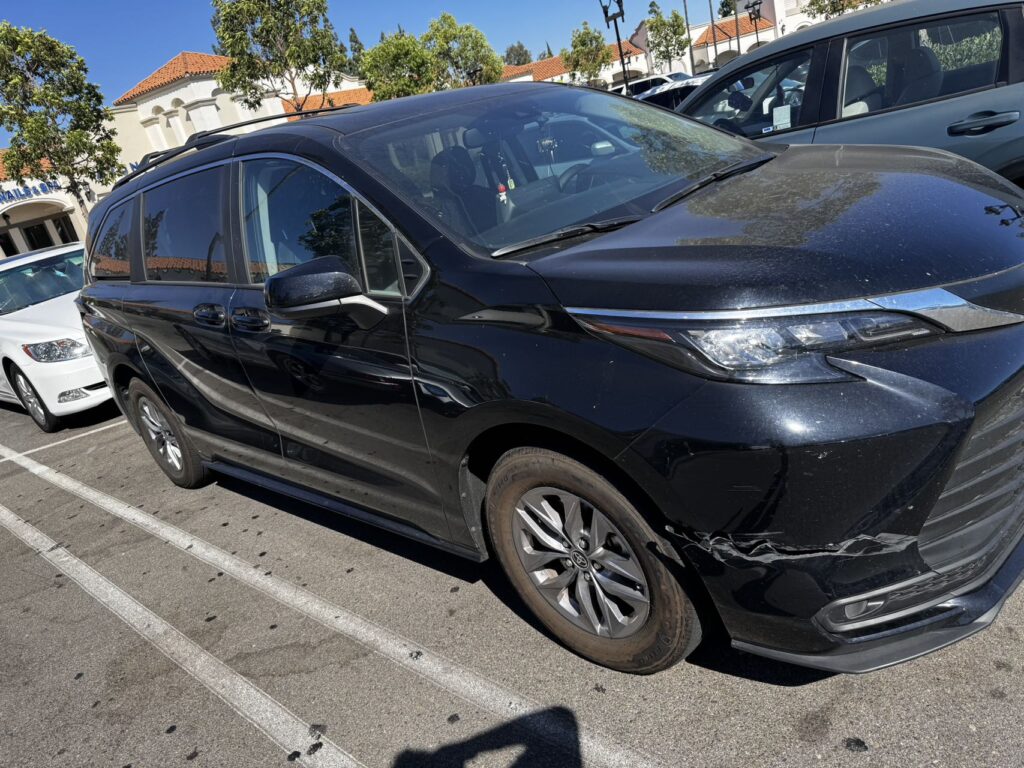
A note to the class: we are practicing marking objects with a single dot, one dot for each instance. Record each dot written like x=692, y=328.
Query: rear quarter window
x=109, y=258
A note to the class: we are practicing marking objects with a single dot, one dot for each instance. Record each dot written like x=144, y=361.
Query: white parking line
x=68, y=439
x=279, y=724
x=454, y=678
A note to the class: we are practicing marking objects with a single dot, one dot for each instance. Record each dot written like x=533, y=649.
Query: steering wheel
x=728, y=124
x=569, y=174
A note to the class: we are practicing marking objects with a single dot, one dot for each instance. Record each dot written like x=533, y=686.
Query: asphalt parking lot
x=144, y=625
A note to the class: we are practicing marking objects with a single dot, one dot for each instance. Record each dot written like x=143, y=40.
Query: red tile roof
x=545, y=69
x=185, y=64
x=336, y=98
x=3, y=168
x=725, y=29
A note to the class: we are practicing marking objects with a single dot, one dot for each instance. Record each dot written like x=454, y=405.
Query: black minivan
x=647, y=365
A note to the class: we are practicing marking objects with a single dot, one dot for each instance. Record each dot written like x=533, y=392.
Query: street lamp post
x=613, y=18
x=714, y=31
x=686, y=21
x=754, y=12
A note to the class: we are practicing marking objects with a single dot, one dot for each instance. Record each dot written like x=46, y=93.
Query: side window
x=764, y=100
x=377, y=240
x=109, y=259
x=905, y=66
x=183, y=229
x=292, y=214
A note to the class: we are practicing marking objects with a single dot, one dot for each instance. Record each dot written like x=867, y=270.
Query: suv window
x=915, y=63
x=183, y=229
x=109, y=258
x=762, y=100
x=293, y=213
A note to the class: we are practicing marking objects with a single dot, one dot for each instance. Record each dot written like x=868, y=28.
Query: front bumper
x=79, y=381
x=793, y=503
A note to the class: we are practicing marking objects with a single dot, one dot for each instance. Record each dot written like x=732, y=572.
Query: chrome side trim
x=947, y=309
x=936, y=304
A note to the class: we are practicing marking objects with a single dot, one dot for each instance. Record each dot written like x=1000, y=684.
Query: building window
x=7, y=246
x=37, y=236
x=65, y=229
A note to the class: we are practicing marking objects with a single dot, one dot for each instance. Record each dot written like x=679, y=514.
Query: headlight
x=56, y=351
x=778, y=350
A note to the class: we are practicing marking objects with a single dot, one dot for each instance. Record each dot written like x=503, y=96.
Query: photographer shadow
x=537, y=753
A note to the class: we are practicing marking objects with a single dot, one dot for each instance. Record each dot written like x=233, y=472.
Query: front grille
x=980, y=514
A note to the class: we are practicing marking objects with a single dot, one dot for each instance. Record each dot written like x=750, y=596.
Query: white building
x=36, y=214
x=554, y=70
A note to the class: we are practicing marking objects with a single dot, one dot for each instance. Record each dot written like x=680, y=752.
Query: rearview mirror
x=602, y=148
x=318, y=287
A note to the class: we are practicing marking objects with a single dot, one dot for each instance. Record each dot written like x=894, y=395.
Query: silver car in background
x=947, y=74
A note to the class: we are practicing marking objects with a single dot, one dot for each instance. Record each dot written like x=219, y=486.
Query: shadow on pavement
x=514, y=733
x=94, y=417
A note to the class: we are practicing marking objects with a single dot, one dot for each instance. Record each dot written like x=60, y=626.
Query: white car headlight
x=57, y=351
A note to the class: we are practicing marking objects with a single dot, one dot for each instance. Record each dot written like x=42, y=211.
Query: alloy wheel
x=159, y=434
x=580, y=562
x=29, y=398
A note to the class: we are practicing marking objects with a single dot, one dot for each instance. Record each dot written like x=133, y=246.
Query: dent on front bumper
x=795, y=504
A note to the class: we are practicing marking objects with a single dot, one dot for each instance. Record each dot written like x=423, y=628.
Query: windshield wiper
x=724, y=173
x=568, y=232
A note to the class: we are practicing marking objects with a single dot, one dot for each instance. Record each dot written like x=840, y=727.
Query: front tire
x=165, y=437
x=576, y=551
x=32, y=402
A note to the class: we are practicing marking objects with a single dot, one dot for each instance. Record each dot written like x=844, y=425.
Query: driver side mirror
x=322, y=286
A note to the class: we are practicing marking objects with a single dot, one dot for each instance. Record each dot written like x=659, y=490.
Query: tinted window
x=493, y=173
x=293, y=214
x=378, y=243
x=183, y=229
x=109, y=257
x=905, y=66
x=40, y=281
x=759, y=101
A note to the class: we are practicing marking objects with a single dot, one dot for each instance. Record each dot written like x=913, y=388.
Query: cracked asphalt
x=269, y=627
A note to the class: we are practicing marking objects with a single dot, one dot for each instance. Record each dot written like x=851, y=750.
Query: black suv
x=640, y=361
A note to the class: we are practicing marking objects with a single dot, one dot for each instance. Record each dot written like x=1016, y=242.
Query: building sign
x=28, y=191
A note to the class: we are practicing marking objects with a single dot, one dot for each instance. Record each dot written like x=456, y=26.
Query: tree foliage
x=274, y=42
x=666, y=37
x=588, y=54
x=355, y=53
x=56, y=118
x=829, y=9
x=518, y=54
x=399, y=65
x=726, y=8
x=461, y=53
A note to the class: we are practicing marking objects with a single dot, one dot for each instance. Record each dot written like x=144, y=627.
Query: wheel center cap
x=579, y=559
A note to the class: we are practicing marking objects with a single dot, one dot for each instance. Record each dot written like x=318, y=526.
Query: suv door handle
x=249, y=319
x=209, y=314
x=983, y=122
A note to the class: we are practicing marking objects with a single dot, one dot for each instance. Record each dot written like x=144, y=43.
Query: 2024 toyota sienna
x=645, y=364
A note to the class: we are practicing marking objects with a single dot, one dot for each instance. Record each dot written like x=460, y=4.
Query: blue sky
x=123, y=41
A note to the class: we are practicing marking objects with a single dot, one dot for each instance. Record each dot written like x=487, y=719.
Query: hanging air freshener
x=502, y=194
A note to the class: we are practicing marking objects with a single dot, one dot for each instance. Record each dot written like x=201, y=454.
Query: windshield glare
x=499, y=171
x=40, y=281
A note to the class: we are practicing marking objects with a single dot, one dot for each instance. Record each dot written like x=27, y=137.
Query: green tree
x=588, y=55
x=726, y=8
x=461, y=53
x=399, y=65
x=829, y=9
x=275, y=42
x=517, y=54
x=666, y=38
x=355, y=50
x=56, y=118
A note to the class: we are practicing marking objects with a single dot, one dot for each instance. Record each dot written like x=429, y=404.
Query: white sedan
x=48, y=367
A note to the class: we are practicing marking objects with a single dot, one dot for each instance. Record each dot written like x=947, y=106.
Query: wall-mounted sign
x=17, y=194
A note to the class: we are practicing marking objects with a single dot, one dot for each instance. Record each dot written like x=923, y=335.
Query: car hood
x=47, y=321
x=816, y=224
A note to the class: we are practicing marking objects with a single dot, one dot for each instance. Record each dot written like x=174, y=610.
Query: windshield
x=40, y=281
x=500, y=171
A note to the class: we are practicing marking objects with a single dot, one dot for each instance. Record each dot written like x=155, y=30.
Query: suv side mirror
x=319, y=287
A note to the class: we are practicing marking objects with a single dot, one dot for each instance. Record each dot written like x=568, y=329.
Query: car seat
x=922, y=77
x=862, y=94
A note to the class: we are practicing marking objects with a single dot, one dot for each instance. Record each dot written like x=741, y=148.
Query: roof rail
x=202, y=139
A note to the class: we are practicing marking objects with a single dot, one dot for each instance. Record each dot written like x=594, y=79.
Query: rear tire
x=32, y=402
x=576, y=551
x=165, y=437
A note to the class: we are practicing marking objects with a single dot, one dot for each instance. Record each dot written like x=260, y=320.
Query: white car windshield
x=504, y=170
x=39, y=281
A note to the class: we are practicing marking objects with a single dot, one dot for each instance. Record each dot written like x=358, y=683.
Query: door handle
x=983, y=122
x=249, y=319
x=209, y=314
